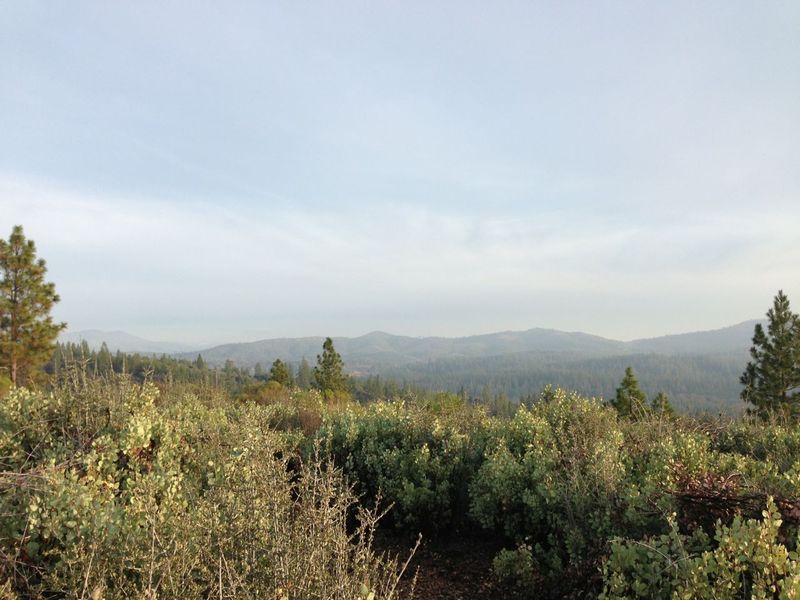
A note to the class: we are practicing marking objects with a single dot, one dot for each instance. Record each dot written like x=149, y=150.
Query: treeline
x=694, y=383
x=143, y=367
x=501, y=390
x=259, y=382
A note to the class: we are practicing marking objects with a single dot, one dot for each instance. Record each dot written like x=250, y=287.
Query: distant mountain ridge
x=734, y=338
x=378, y=350
x=699, y=370
x=120, y=340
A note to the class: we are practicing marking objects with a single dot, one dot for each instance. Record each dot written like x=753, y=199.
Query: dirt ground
x=456, y=568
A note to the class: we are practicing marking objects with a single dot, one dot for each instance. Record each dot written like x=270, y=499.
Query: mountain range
x=379, y=350
x=699, y=370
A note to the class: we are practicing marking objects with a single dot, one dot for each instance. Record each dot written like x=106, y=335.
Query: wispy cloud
x=271, y=169
x=159, y=265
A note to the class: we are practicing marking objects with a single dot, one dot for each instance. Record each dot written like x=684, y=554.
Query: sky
x=206, y=172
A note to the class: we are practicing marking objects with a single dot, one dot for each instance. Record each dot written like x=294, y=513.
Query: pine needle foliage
x=27, y=330
x=771, y=379
x=329, y=372
x=630, y=399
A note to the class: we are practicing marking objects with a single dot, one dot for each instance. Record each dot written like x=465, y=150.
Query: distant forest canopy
x=699, y=371
x=701, y=383
x=693, y=383
x=231, y=378
x=161, y=368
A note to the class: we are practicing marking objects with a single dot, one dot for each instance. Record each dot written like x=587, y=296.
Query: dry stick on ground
x=405, y=566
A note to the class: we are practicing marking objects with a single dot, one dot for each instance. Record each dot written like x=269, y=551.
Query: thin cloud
x=140, y=259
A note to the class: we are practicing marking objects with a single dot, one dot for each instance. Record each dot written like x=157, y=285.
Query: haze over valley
x=699, y=370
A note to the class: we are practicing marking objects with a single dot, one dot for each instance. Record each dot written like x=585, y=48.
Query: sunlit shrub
x=418, y=461
x=552, y=480
x=112, y=490
x=745, y=560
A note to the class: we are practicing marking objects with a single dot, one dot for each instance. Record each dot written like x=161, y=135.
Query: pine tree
x=119, y=362
x=104, y=361
x=27, y=331
x=305, y=375
x=661, y=405
x=329, y=372
x=772, y=378
x=630, y=399
x=199, y=363
x=279, y=373
x=259, y=373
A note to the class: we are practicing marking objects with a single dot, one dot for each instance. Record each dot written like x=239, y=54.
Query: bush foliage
x=112, y=489
x=115, y=490
x=568, y=483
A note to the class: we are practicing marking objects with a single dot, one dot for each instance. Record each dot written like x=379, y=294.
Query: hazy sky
x=219, y=171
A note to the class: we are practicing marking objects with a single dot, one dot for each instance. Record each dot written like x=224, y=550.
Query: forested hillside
x=699, y=371
x=375, y=351
x=702, y=383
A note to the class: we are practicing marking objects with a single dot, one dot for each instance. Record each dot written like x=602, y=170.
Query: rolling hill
x=699, y=370
x=376, y=351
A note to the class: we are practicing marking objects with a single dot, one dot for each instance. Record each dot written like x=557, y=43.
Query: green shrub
x=113, y=490
x=653, y=567
x=746, y=560
x=552, y=480
x=773, y=443
x=417, y=461
x=516, y=570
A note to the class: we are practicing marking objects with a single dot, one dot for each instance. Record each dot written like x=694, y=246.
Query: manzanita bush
x=109, y=489
x=112, y=490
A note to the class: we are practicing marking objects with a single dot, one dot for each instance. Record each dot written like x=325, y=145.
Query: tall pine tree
x=279, y=373
x=771, y=379
x=27, y=331
x=305, y=375
x=104, y=363
x=630, y=399
x=329, y=372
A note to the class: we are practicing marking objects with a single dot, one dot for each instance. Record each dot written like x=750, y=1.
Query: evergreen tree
x=57, y=360
x=119, y=362
x=104, y=363
x=329, y=372
x=772, y=378
x=487, y=395
x=630, y=399
x=259, y=372
x=27, y=331
x=305, y=375
x=199, y=363
x=661, y=405
x=279, y=373
x=502, y=406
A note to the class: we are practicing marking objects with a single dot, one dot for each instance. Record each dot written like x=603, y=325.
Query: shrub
x=746, y=561
x=113, y=490
x=417, y=461
x=552, y=481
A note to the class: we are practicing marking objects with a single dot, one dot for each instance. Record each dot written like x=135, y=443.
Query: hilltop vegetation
x=111, y=489
x=137, y=476
x=119, y=489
